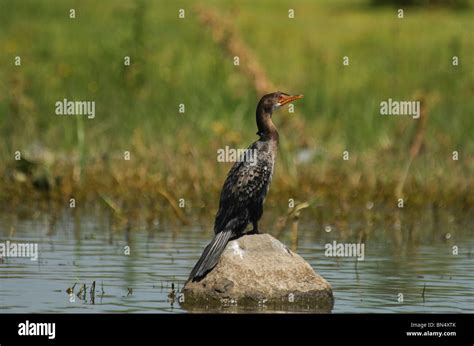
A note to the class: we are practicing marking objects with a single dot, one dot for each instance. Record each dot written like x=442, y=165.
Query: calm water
x=141, y=281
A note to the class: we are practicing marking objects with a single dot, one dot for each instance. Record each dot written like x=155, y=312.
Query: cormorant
x=245, y=187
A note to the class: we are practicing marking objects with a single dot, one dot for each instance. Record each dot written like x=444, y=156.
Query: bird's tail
x=210, y=256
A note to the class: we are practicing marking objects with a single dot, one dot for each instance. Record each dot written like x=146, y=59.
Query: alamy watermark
x=391, y=107
x=12, y=249
x=336, y=249
x=237, y=155
x=28, y=328
x=66, y=107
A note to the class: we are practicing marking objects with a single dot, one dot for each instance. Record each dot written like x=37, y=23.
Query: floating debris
x=70, y=290
x=172, y=295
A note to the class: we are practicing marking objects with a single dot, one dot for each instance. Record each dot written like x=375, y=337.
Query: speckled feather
x=245, y=187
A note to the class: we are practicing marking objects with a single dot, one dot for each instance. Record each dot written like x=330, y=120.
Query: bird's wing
x=246, y=182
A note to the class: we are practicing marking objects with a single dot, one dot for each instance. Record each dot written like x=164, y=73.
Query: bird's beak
x=284, y=99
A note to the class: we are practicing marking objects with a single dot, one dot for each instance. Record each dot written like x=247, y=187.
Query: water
x=141, y=281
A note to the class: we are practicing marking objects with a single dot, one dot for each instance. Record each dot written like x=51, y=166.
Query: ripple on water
x=371, y=286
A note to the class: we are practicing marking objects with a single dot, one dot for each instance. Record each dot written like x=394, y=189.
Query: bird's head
x=275, y=100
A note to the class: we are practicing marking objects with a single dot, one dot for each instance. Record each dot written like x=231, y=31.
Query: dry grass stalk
x=415, y=147
x=227, y=37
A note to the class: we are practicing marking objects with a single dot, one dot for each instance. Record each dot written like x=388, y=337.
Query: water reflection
x=134, y=269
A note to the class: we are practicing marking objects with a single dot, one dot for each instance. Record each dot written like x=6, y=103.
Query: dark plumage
x=246, y=186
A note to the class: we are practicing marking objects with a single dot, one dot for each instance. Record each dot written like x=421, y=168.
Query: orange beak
x=286, y=99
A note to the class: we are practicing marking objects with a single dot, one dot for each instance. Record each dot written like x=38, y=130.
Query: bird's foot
x=253, y=231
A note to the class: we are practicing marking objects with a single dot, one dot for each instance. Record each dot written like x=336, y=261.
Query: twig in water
x=92, y=293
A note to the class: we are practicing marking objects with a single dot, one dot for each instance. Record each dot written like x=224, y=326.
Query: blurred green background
x=176, y=61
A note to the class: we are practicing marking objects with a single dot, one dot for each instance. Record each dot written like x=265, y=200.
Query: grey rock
x=257, y=272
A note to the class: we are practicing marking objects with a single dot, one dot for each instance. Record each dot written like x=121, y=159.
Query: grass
x=178, y=61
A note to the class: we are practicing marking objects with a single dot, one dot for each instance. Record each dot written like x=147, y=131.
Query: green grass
x=177, y=61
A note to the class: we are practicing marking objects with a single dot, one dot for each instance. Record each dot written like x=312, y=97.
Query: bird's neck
x=266, y=128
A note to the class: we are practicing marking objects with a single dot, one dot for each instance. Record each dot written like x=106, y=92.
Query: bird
x=246, y=186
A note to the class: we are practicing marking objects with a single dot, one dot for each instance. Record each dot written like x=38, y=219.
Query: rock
x=258, y=271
